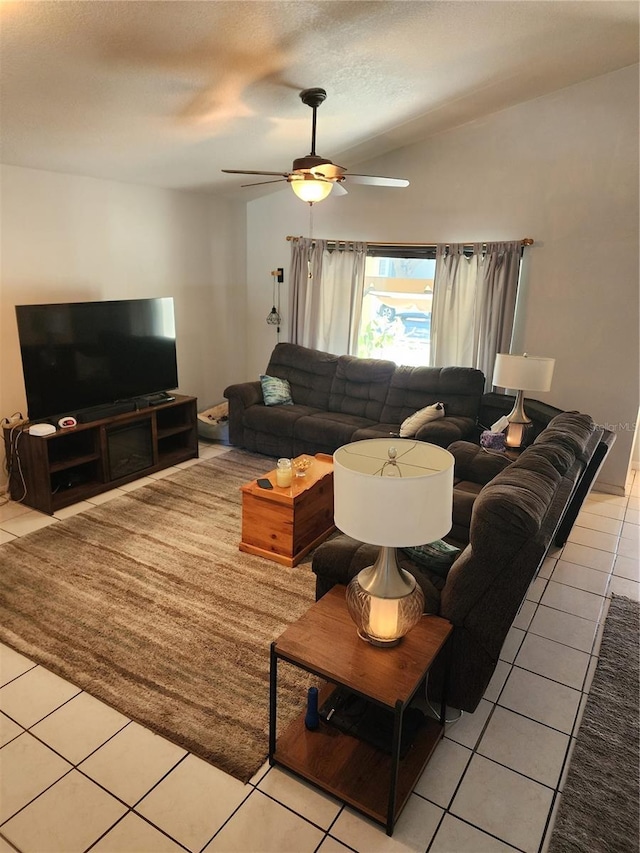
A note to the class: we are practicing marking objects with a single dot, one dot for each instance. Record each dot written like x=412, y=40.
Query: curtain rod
x=526, y=241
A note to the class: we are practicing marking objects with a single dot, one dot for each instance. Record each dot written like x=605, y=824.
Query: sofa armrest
x=241, y=397
x=444, y=431
x=246, y=393
x=475, y=463
x=584, y=487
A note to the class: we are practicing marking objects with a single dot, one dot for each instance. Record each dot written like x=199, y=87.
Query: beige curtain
x=306, y=268
x=474, y=304
x=453, y=312
x=500, y=274
x=327, y=285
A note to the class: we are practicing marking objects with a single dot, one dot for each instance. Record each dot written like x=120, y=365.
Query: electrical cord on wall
x=12, y=461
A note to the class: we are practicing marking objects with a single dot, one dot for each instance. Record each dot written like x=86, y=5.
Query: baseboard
x=608, y=489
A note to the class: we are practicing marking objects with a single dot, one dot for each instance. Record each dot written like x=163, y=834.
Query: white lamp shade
x=374, y=506
x=523, y=372
x=310, y=188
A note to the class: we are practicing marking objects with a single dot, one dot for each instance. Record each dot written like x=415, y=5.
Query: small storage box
x=492, y=440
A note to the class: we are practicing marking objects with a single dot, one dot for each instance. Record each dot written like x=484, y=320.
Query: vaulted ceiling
x=169, y=93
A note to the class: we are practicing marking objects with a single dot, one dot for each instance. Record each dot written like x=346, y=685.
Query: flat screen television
x=77, y=355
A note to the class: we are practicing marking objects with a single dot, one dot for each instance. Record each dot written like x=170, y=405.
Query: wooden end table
x=324, y=642
x=284, y=524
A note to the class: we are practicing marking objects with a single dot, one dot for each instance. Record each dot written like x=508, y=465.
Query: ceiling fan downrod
x=312, y=98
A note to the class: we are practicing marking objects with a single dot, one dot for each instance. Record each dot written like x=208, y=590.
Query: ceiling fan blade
x=376, y=181
x=338, y=189
x=260, y=183
x=249, y=172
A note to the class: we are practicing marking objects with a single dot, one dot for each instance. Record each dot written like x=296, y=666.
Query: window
x=396, y=309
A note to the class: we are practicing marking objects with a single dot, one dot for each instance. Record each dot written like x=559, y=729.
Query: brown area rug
x=146, y=603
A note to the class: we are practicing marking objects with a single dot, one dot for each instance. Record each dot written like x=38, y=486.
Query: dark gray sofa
x=515, y=512
x=338, y=399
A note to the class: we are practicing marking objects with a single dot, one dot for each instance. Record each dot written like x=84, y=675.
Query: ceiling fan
x=312, y=178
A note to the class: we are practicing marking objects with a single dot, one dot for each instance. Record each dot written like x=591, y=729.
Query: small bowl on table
x=301, y=465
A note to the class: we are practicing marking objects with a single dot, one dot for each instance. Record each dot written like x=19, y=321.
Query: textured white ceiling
x=169, y=93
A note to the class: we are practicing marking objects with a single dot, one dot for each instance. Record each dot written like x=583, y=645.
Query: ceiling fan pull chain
x=310, y=249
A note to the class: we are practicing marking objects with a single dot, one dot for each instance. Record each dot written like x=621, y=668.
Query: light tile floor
x=77, y=775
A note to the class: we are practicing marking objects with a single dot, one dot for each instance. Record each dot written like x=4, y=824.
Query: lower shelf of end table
x=324, y=642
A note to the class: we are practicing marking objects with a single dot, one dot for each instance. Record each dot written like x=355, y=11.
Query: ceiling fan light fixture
x=309, y=188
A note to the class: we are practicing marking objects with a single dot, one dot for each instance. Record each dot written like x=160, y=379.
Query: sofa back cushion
x=360, y=386
x=413, y=388
x=309, y=372
x=513, y=506
x=511, y=525
x=476, y=464
x=569, y=436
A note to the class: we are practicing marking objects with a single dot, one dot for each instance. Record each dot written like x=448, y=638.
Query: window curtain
x=327, y=285
x=453, y=312
x=474, y=304
x=500, y=274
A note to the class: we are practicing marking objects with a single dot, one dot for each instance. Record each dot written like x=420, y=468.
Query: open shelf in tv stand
x=77, y=463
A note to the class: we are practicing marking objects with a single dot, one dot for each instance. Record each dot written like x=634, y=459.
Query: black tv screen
x=82, y=354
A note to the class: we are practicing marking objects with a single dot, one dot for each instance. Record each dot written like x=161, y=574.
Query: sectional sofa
x=338, y=399
x=506, y=515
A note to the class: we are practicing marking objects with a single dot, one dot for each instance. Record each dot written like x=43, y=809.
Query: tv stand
x=98, y=413
x=74, y=464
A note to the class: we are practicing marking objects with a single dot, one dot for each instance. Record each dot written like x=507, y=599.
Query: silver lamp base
x=519, y=423
x=384, y=601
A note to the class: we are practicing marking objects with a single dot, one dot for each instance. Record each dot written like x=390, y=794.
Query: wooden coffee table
x=324, y=641
x=284, y=524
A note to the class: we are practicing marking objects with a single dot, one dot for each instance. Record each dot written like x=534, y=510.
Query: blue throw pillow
x=437, y=557
x=276, y=392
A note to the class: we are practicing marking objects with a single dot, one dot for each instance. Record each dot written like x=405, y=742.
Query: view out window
x=396, y=310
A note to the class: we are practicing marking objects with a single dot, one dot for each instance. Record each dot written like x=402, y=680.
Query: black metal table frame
x=398, y=711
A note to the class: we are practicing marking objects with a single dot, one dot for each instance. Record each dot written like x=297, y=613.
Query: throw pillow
x=412, y=424
x=437, y=557
x=275, y=391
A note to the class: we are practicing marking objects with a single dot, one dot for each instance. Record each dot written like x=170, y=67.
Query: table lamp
x=390, y=492
x=522, y=373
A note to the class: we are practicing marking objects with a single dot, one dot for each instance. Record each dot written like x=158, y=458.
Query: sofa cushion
x=446, y=430
x=360, y=386
x=558, y=453
x=309, y=372
x=276, y=420
x=512, y=507
x=571, y=431
x=275, y=391
x=464, y=495
x=412, y=424
x=442, y=431
x=327, y=429
x=475, y=463
x=413, y=388
x=376, y=431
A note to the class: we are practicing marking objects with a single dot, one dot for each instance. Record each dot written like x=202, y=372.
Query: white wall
x=562, y=169
x=70, y=238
